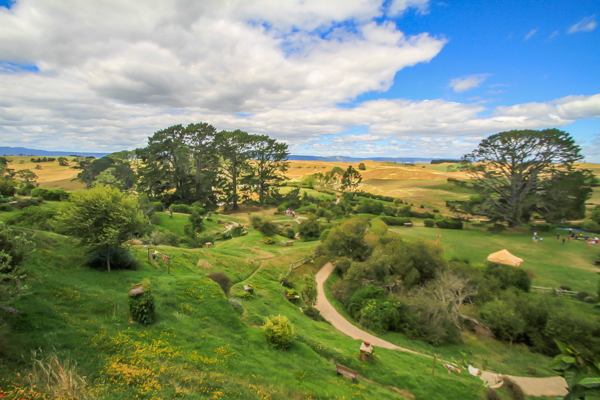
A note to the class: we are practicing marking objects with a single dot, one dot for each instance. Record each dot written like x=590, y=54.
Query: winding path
x=554, y=386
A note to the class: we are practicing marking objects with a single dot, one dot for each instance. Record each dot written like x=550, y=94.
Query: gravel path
x=554, y=386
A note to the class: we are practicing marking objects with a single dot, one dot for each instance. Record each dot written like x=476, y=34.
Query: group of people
x=290, y=213
x=572, y=236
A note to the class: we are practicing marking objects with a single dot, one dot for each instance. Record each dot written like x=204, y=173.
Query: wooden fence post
x=434, y=360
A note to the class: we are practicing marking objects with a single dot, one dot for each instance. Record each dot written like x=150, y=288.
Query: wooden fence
x=558, y=292
x=296, y=264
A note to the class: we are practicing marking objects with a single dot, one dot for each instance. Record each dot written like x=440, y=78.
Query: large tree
x=268, y=166
x=102, y=217
x=515, y=171
x=234, y=150
x=351, y=179
x=200, y=139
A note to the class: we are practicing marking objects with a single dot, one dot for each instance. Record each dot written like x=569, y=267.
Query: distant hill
x=353, y=159
x=15, y=151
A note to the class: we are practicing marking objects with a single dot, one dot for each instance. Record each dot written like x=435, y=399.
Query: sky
x=366, y=78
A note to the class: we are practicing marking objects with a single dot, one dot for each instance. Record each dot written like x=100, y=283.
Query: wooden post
x=433, y=369
x=148, y=256
x=168, y=265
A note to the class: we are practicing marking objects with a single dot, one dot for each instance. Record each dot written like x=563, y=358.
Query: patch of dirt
x=204, y=264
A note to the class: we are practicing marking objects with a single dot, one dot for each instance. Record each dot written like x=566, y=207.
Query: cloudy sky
x=362, y=78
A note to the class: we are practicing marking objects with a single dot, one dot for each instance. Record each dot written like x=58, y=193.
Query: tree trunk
x=107, y=259
x=234, y=176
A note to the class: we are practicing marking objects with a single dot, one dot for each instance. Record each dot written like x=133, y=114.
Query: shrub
x=378, y=227
x=289, y=233
x=180, y=208
x=590, y=299
x=281, y=208
x=22, y=203
x=34, y=217
x=361, y=297
x=159, y=237
x=590, y=226
x=141, y=306
x=222, y=279
x=26, y=189
x=7, y=188
x=285, y=281
x=157, y=206
x=50, y=194
x=378, y=315
x=237, y=231
x=268, y=229
x=506, y=276
x=362, y=167
x=395, y=221
x=342, y=265
x=426, y=214
x=313, y=314
x=496, y=228
x=425, y=319
x=279, y=331
x=581, y=295
x=429, y=223
x=397, y=201
x=120, y=258
x=236, y=304
x=449, y=223
x=503, y=320
x=309, y=229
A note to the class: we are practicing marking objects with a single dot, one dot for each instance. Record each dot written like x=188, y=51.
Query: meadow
x=209, y=345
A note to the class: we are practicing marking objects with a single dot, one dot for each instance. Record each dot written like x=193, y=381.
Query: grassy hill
x=200, y=347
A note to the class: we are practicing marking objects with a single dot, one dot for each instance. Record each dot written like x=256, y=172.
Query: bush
x=590, y=226
x=285, y=281
x=497, y=228
x=180, y=208
x=313, y=314
x=34, y=217
x=22, y=203
x=362, y=167
x=425, y=319
x=26, y=189
x=426, y=214
x=237, y=231
x=378, y=227
x=159, y=237
x=429, y=223
x=378, y=315
x=120, y=258
x=395, y=221
x=506, y=276
x=503, y=320
x=236, y=304
x=157, y=206
x=289, y=233
x=309, y=229
x=361, y=297
x=141, y=306
x=50, y=194
x=449, y=223
x=222, y=279
x=7, y=188
x=268, y=229
x=279, y=331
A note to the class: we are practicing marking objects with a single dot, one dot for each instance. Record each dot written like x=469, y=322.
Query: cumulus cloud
x=587, y=24
x=530, y=34
x=103, y=76
x=465, y=83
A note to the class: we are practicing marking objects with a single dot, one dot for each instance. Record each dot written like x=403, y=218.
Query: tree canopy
x=102, y=217
x=523, y=171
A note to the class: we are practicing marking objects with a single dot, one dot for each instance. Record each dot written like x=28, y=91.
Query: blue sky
x=365, y=78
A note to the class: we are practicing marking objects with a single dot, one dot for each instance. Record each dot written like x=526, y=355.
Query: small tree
x=309, y=229
x=310, y=288
x=222, y=279
x=63, y=161
x=196, y=219
x=362, y=166
x=268, y=229
x=351, y=179
x=279, y=331
x=102, y=217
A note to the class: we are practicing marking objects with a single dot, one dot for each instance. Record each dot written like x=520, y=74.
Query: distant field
x=52, y=175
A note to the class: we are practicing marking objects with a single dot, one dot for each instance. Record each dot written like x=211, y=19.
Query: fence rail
x=558, y=292
x=296, y=264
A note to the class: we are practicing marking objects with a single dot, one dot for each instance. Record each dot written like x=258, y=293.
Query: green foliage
x=50, y=194
x=350, y=179
x=289, y=233
x=370, y=207
x=362, y=167
x=279, y=331
x=34, y=217
x=378, y=227
x=590, y=226
x=120, y=258
x=309, y=229
x=378, y=315
x=429, y=223
x=449, y=223
x=361, y=297
x=158, y=237
x=313, y=314
x=141, y=306
x=102, y=217
x=24, y=203
x=285, y=281
x=506, y=323
x=506, y=276
x=395, y=221
x=426, y=214
x=195, y=219
x=497, y=228
x=7, y=187
x=180, y=208
x=348, y=239
x=14, y=249
x=581, y=371
x=222, y=279
x=423, y=318
x=596, y=215
x=309, y=288
x=269, y=229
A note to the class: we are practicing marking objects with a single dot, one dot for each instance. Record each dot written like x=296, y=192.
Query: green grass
x=551, y=263
x=200, y=347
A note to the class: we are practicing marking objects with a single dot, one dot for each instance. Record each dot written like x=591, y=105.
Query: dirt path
x=554, y=386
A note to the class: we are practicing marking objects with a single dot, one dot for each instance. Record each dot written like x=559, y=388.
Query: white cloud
x=587, y=24
x=554, y=34
x=465, y=83
x=530, y=34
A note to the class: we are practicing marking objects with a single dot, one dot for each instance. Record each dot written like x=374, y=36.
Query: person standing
x=563, y=241
x=557, y=237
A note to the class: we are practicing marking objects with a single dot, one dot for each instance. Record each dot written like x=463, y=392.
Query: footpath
x=540, y=387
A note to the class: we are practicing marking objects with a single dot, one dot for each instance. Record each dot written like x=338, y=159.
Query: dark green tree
x=512, y=169
x=268, y=166
x=166, y=164
x=234, y=150
x=200, y=139
x=351, y=179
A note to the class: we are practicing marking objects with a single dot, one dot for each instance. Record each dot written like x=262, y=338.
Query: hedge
x=429, y=223
x=448, y=223
x=426, y=214
x=395, y=221
x=180, y=208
